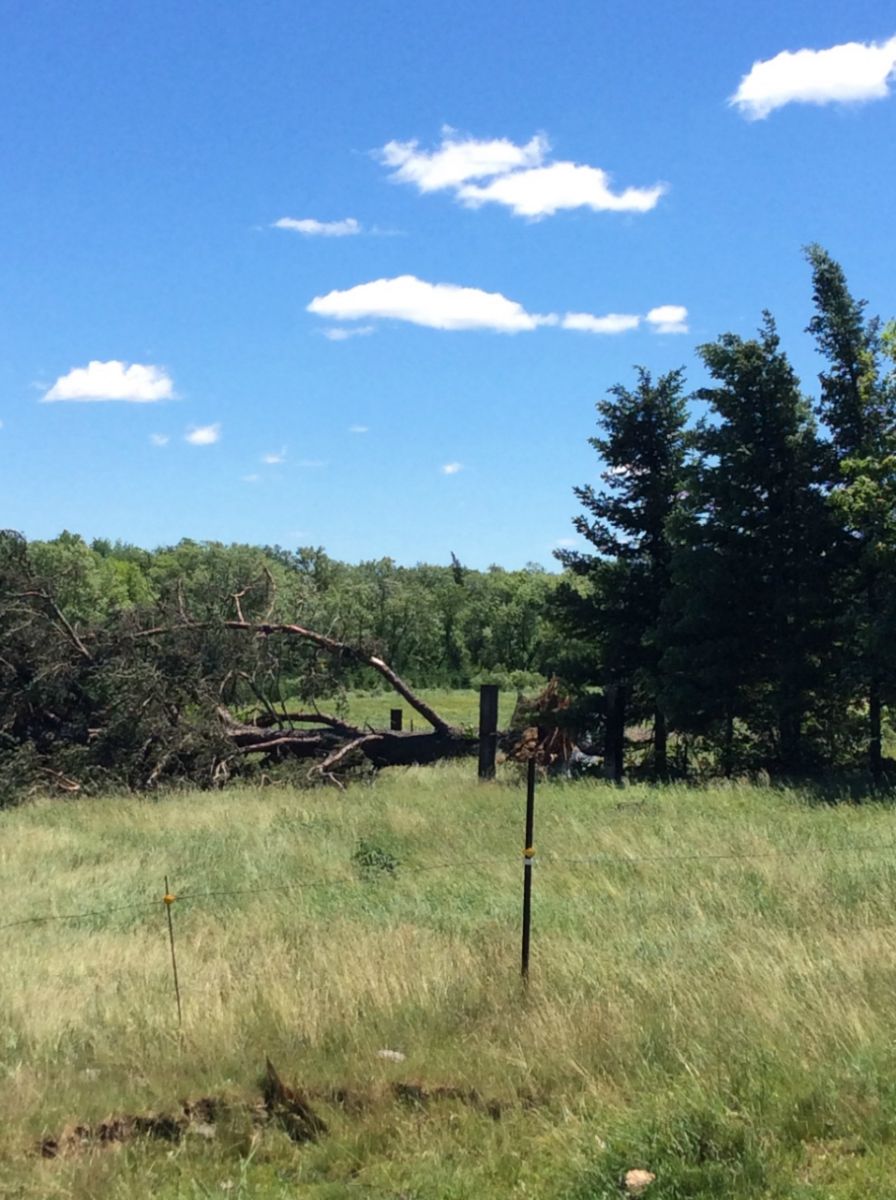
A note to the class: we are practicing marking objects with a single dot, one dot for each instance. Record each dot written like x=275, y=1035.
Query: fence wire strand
x=600, y=859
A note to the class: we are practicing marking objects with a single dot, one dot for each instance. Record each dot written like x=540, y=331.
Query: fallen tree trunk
x=382, y=748
x=399, y=749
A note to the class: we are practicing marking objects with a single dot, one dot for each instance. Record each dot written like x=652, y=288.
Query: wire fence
x=601, y=859
x=541, y=862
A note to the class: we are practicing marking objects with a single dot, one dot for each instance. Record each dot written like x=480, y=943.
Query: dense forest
x=735, y=608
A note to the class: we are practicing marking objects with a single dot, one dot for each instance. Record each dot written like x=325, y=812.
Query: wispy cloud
x=342, y=335
x=450, y=307
x=452, y=468
x=435, y=305
x=114, y=380
x=669, y=318
x=543, y=191
x=250, y=478
x=611, y=323
x=517, y=176
x=458, y=159
x=203, y=435
x=159, y=439
x=310, y=227
x=358, y=429
x=275, y=457
x=848, y=73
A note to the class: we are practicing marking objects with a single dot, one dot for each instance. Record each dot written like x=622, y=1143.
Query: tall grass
x=711, y=997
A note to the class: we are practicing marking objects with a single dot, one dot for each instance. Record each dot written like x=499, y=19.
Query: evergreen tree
x=858, y=405
x=617, y=607
x=748, y=618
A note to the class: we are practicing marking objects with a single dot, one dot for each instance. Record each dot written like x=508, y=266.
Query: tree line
x=735, y=608
x=740, y=587
x=120, y=665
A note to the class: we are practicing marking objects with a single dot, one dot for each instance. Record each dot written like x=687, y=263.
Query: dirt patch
x=289, y=1108
x=166, y=1127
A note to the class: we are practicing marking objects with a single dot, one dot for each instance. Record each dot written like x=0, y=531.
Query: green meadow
x=459, y=706
x=712, y=994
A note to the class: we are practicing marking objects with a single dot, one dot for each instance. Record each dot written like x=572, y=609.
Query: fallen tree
x=333, y=740
x=141, y=696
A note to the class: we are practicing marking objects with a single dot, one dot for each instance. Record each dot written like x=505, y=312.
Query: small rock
x=391, y=1055
x=637, y=1181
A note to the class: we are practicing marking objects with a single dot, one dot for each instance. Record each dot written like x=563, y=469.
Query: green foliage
x=616, y=610
x=372, y=860
x=858, y=405
x=87, y=694
x=749, y=618
x=744, y=580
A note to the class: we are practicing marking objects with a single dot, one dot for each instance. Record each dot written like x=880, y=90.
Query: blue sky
x=574, y=163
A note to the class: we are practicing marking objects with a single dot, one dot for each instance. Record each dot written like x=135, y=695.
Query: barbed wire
x=550, y=860
x=80, y=916
x=786, y=852
x=217, y=893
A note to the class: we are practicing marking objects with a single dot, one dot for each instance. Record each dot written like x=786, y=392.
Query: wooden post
x=488, y=729
x=614, y=741
x=528, y=855
x=395, y=719
x=169, y=899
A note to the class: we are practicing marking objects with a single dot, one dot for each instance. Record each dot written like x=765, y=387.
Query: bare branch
x=332, y=646
x=62, y=619
x=336, y=757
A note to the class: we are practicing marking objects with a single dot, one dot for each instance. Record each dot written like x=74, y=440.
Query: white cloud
x=250, y=478
x=203, y=435
x=113, y=380
x=342, y=335
x=611, y=323
x=624, y=470
x=565, y=543
x=275, y=457
x=452, y=468
x=518, y=176
x=358, y=429
x=159, y=439
x=312, y=228
x=435, y=305
x=543, y=191
x=851, y=72
x=458, y=159
x=669, y=318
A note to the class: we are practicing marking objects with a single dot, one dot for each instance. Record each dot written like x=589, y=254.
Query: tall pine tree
x=747, y=620
x=858, y=406
x=624, y=585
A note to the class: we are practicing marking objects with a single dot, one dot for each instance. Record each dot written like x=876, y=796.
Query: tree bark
x=614, y=740
x=875, y=756
x=728, y=751
x=660, y=745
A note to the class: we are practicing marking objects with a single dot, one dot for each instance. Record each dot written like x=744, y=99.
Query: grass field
x=459, y=706
x=713, y=995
